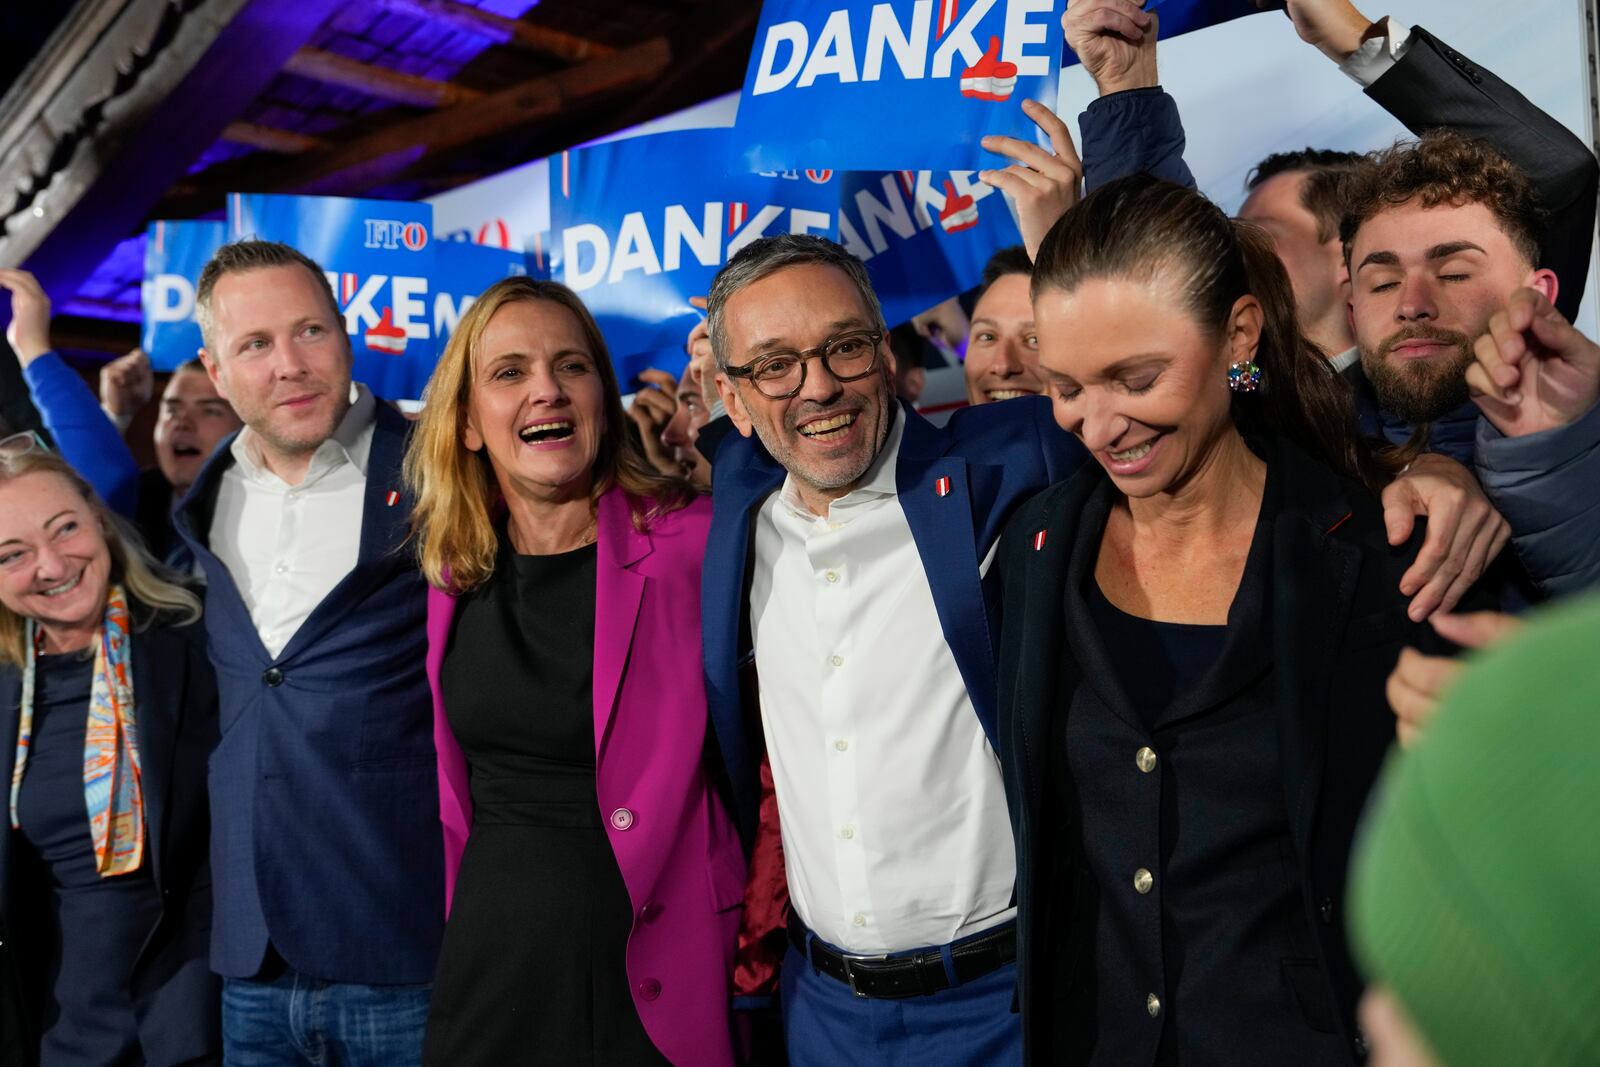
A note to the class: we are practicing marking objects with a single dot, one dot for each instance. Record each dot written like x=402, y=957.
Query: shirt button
x=1152, y=1004
x=1142, y=881
x=837, y=661
x=281, y=568
x=860, y=919
x=833, y=576
x=650, y=912
x=649, y=989
x=847, y=832
x=622, y=818
x=841, y=744
x=272, y=676
x=1146, y=759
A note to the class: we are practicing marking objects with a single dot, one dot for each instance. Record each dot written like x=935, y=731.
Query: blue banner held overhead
x=174, y=255
x=880, y=84
x=925, y=236
x=641, y=226
x=1182, y=16
x=462, y=270
x=379, y=258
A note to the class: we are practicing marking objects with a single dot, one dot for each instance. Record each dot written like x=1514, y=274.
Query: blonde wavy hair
x=456, y=493
x=154, y=592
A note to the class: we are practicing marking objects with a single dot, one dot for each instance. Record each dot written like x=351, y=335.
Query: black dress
x=532, y=969
x=94, y=927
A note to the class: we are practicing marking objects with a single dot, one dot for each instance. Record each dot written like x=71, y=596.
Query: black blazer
x=1339, y=623
x=175, y=696
x=1434, y=86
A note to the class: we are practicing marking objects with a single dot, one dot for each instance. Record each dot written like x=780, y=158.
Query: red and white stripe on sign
x=566, y=174
x=908, y=182
x=347, y=286
x=942, y=487
x=1038, y=541
x=947, y=15
x=738, y=211
x=393, y=498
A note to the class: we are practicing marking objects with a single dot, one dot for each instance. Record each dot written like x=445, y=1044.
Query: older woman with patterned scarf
x=108, y=711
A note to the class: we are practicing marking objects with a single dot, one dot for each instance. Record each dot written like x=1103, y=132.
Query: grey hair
x=768, y=255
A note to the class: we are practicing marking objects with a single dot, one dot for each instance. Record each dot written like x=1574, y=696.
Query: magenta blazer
x=678, y=851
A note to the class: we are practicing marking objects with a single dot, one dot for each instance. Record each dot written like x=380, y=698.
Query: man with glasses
x=864, y=616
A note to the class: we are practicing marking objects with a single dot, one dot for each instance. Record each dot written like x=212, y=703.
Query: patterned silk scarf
x=112, y=792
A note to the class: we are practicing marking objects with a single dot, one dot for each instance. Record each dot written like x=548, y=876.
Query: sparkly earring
x=1244, y=376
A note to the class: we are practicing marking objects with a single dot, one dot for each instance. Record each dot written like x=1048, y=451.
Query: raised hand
x=1533, y=371
x=126, y=384
x=29, y=332
x=1043, y=186
x=1115, y=40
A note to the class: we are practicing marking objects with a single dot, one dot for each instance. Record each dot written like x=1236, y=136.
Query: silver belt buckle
x=850, y=973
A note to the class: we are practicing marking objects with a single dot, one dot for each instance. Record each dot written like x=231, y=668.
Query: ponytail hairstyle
x=1141, y=228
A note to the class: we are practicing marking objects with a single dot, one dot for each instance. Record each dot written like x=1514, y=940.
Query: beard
x=1419, y=390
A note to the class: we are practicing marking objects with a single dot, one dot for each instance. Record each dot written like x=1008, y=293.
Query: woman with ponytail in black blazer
x=1197, y=629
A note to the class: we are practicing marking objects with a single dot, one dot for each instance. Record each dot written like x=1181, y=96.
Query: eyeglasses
x=21, y=444
x=780, y=375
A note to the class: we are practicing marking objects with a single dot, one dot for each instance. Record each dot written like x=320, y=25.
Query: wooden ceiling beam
x=501, y=30
x=365, y=161
x=331, y=68
x=271, y=139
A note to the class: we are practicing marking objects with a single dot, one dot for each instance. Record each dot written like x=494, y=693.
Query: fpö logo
x=920, y=40
x=591, y=255
x=394, y=234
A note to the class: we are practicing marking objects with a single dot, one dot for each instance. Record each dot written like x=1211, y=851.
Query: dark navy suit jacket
x=325, y=805
x=994, y=455
x=175, y=703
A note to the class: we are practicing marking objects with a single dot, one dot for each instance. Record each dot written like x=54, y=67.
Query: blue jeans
x=296, y=1021
x=970, y=1025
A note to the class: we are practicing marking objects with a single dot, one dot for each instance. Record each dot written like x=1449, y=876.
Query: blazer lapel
x=1038, y=588
x=619, y=589
x=744, y=476
x=934, y=494
x=160, y=674
x=1314, y=584
x=10, y=698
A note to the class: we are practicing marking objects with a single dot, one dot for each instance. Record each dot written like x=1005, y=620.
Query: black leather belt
x=919, y=974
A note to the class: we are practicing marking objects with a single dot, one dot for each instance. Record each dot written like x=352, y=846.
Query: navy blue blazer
x=995, y=456
x=325, y=822
x=175, y=703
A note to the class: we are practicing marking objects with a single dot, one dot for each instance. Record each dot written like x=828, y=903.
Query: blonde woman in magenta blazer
x=527, y=388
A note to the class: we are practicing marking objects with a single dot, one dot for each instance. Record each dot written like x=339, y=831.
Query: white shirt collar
x=350, y=443
x=878, y=483
x=1345, y=360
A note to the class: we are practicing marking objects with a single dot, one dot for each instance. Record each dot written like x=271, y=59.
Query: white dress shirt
x=1376, y=55
x=893, y=813
x=287, y=546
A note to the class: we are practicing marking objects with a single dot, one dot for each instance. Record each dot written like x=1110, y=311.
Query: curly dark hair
x=1445, y=167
